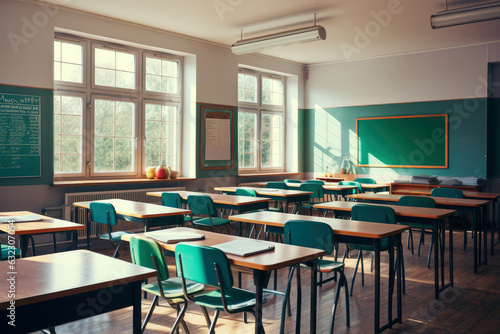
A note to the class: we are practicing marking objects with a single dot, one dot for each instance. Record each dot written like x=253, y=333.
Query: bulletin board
x=216, y=137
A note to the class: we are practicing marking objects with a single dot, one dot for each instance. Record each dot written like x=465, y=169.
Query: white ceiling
x=407, y=29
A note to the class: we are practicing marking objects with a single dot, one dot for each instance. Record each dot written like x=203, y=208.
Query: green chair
x=276, y=185
x=275, y=230
x=174, y=200
x=204, y=213
x=6, y=251
x=104, y=213
x=358, y=190
x=366, y=180
x=421, y=202
x=317, y=196
x=292, y=181
x=315, y=182
x=250, y=193
x=147, y=253
x=210, y=266
x=453, y=193
x=375, y=214
x=319, y=236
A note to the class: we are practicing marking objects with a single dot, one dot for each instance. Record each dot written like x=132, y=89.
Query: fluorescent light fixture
x=472, y=14
x=285, y=38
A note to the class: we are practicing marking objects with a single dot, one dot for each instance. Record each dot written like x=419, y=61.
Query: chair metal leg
x=360, y=257
x=117, y=253
x=149, y=314
x=214, y=322
x=342, y=281
x=180, y=317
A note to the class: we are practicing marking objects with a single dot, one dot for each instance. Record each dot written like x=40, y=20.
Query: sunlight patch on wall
x=327, y=142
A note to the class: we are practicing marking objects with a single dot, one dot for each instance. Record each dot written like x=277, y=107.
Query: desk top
x=217, y=198
x=326, y=186
x=330, y=178
x=138, y=209
x=282, y=256
x=46, y=277
x=403, y=211
x=467, y=194
x=268, y=191
x=46, y=225
x=464, y=202
x=339, y=226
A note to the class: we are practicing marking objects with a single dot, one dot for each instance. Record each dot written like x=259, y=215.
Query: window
x=261, y=120
x=122, y=118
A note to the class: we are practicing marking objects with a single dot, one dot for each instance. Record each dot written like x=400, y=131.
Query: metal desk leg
x=314, y=295
x=136, y=310
x=377, y=285
x=259, y=281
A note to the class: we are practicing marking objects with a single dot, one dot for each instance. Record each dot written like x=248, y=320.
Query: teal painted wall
x=214, y=172
x=330, y=134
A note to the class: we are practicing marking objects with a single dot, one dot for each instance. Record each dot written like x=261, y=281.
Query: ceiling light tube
x=285, y=38
x=472, y=14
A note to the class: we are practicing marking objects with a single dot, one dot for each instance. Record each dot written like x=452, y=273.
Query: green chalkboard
x=403, y=141
x=20, y=131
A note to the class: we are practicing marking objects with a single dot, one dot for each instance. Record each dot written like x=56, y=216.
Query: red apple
x=160, y=172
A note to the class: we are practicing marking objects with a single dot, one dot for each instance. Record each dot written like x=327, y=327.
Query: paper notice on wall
x=217, y=139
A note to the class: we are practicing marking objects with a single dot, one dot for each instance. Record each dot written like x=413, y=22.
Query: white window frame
x=259, y=108
x=139, y=96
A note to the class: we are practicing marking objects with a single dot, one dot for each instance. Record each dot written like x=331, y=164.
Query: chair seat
x=172, y=288
x=238, y=300
x=327, y=266
x=215, y=221
x=5, y=252
x=115, y=236
x=275, y=229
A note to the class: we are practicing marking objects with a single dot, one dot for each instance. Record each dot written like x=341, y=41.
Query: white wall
x=427, y=76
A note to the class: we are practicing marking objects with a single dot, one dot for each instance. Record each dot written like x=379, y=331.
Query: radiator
x=138, y=195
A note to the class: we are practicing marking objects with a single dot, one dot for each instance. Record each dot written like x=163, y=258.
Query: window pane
x=272, y=91
x=247, y=88
x=161, y=75
x=114, y=68
x=271, y=140
x=68, y=122
x=68, y=62
x=114, y=138
x=161, y=131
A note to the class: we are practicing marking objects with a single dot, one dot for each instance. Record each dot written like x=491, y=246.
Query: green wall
x=330, y=134
x=493, y=138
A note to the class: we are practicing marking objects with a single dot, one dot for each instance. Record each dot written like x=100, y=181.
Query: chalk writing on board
x=19, y=135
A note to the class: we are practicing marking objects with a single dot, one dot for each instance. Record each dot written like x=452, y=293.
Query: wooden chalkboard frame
x=428, y=132
x=225, y=111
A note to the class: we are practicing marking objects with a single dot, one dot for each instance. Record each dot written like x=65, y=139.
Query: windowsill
x=116, y=181
x=267, y=174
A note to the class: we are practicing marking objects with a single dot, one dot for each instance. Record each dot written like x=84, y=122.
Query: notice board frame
x=411, y=138
x=217, y=112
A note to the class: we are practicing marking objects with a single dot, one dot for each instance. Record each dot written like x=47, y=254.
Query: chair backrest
x=315, y=181
x=352, y=183
x=198, y=264
x=292, y=181
x=317, y=190
x=246, y=192
x=172, y=200
x=447, y=192
x=309, y=234
x=142, y=251
x=366, y=180
x=103, y=213
x=373, y=213
x=419, y=201
x=201, y=205
x=277, y=185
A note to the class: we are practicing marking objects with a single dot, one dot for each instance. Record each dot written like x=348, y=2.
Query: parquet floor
x=471, y=306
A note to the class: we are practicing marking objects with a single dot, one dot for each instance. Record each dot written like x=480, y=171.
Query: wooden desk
x=330, y=179
x=408, y=188
x=431, y=216
x=239, y=203
x=262, y=265
x=151, y=215
x=47, y=225
x=284, y=195
x=54, y=289
x=328, y=188
x=478, y=209
x=349, y=231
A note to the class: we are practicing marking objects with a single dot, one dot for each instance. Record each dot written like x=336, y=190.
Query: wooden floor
x=471, y=306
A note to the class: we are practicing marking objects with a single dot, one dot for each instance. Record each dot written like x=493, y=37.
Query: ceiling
x=355, y=29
